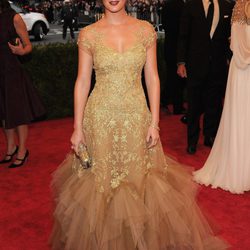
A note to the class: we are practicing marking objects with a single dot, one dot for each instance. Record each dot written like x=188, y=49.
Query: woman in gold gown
x=133, y=196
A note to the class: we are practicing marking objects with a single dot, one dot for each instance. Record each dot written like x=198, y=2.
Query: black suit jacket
x=171, y=14
x=204, y=56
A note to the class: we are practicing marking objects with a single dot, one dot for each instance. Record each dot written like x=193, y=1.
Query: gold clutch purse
x=83, y=155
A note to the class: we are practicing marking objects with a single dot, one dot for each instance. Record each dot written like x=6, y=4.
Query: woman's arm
x=82, y=87
x=153, y=89
x=153, y=83
x=24, y=46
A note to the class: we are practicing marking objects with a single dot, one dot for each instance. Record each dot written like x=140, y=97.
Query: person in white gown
x=228, y=165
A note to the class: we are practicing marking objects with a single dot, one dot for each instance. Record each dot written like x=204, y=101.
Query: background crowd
x=142, y=9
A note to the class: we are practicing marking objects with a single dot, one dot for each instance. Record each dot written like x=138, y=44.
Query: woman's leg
x=22, y=133
x=10, y=138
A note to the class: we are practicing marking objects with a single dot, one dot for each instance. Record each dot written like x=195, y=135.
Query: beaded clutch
x=83, y=155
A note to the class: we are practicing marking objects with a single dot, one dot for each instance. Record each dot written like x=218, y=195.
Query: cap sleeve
x=149, y=34
x=84, y=41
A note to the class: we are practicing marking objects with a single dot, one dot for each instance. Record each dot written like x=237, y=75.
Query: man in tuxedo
x=174, y=85
x=203, y=49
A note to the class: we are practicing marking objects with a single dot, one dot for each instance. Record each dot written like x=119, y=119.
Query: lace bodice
x=118, y=74
x=116, y=117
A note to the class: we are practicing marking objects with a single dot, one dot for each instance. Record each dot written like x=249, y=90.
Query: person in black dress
x=19, y=101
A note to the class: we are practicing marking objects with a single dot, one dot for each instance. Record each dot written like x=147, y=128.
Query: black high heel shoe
x=9, y=155
x=22, y=161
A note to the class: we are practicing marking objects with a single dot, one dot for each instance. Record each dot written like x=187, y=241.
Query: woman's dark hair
x=4, y=6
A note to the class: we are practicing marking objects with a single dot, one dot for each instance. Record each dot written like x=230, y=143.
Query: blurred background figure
x=50, y=12
x=19, y=101
x=174, y=86
x=68, y=16
x=203, y=50
x=228, y=165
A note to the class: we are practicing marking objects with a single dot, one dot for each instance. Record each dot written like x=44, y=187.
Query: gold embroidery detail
x=116, y=117
x=239, y=15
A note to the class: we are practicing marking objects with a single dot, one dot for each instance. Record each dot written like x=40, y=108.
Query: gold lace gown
x=131, y=197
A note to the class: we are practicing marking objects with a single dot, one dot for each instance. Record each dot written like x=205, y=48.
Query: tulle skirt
x=160, y=215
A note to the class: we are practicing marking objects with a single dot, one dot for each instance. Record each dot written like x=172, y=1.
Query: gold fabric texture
x=117, y=108
x=131, y=198
x=239, y=12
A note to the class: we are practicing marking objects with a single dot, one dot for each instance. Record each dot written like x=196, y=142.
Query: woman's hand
x=17, y=49
x=152, y=137
x=77, y=138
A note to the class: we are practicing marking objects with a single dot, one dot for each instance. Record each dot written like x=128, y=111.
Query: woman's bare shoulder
x=89, y=30
x=146, y=25
x=17, y=19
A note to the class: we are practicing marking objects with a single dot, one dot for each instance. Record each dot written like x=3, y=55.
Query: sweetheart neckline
x=133, y=46
x=130, y=48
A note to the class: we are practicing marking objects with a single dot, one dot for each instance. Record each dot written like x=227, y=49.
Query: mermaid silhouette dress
x=131, y=197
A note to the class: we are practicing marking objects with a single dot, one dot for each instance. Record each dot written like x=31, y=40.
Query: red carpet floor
x=25, y=198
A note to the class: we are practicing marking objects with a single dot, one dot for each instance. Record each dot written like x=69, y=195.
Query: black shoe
x=22, y=161
x=10, y=156
x=184, y=119
x=209, y=141
x=191, y=149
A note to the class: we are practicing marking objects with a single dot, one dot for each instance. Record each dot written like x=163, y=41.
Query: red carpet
x=26, y=206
